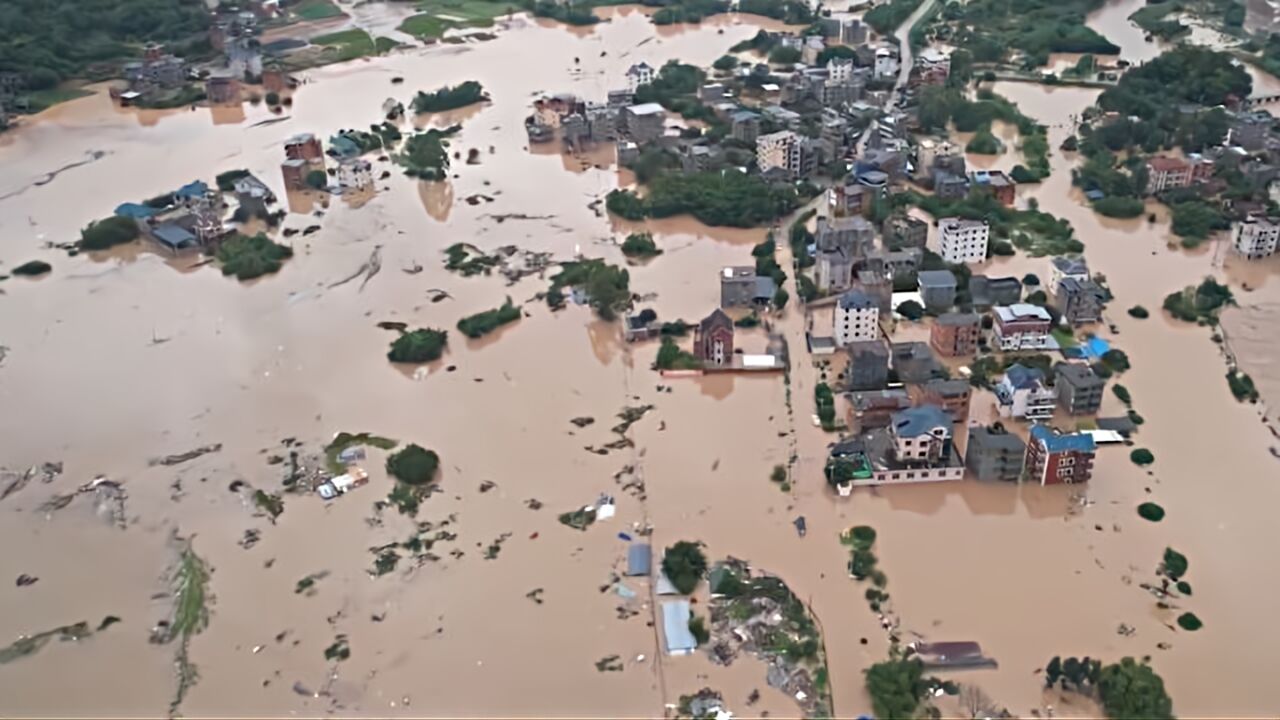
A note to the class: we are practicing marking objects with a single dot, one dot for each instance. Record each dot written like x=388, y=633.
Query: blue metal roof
x=1057, y=442
x=920, y=420
x=192, y=190
x=1021, y=376
x=137, y=211
x=173, y=236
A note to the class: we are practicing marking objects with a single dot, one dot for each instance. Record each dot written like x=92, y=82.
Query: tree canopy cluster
x=418, y=346
x=607, y=287
x=251, y=256
x=413, y=465
x=887, y=17
x=425, y=155
x=992, y=29
x=684, y=564
x=727, y=198
x=108, y=232
x=449, y=98
x=49, y=41
x=483, y=323
x=1186, y=74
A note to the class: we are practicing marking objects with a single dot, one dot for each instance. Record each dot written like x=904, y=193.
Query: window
x=911, y=476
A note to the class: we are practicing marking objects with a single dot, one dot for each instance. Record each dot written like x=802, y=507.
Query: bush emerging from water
x=418, y=346
x=862, y=537
x=1151, y=511
x=1184, y=587
x=640, y=245
x=1174, y=564
x=1122, y=393
x=247, y=257
x=414, y=465
x=1139, y=312
x=1189, y=621
x=33, y=268
x=1142, y=456
x=107, y=233
x=483, y=323
x=684, y=564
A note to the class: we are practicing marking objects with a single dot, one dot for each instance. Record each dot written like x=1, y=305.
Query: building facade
x=775, y=150
x=1021, y=327
x=868, y=367
x=857, y=318
x=1080, y=302
x=1164, y=173
x=994, y=454
x=713, y=339
x=1255, y=237
x=1022, y=393
x=1053, y=457
x=963, y=241
x=955, y=334
x=1079, y=388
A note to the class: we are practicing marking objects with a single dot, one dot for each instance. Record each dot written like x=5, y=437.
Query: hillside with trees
x=49, y=41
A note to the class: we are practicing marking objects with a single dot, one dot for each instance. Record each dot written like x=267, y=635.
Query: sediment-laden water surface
x=119, y=358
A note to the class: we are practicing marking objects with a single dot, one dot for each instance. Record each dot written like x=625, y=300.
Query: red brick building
x=713, y=339
x=1054, y=457
x=304, y=147
x=955, y=334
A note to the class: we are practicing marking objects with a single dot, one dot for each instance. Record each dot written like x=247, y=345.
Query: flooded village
x=453, y=358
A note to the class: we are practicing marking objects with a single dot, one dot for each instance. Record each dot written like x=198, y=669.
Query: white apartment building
x=886, y=65
x=840, y=70
x=1255, y=237
x=963, y=241
x=857, y=318
x=775, y=150
x=639, y=74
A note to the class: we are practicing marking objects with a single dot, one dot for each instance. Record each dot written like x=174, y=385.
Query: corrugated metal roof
x=675, y=628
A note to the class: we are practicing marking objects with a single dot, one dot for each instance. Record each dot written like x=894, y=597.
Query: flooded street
x=117, y=358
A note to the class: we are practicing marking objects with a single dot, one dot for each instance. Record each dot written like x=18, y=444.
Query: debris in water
x=13, y=482
x=189, y=455
x=308, y=583
x=533, y=504
x=487, y=485
x=393, y=325
x=495, y=547
x=107, y=622
x=188, y=581
x=340, y=650
x=611, y=663
x=582, y=421
x=535, y=595
x=369, y=268
x=28, y=645
x=25, y=580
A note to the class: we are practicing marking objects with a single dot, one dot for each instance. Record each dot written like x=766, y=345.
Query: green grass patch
x=352, y=44
x=1065, y=337
x=425, y=27
x=471, y=10
x=316, y=10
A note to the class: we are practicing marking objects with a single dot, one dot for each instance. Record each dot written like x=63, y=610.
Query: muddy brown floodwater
x=1021, y=569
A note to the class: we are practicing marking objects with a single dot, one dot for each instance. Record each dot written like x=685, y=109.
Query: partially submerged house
x=713, y=339
x=994, y=453
x=676, y=635
x=1055, y=457
x=1023, y=393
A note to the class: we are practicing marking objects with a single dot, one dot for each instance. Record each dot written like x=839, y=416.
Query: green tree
x=780, y=298
x=107, y=233
x=418, y=346
x=725, y=62
x=910, y=310
x=896, y=687
x=1142, y=456
x=783, y=55
x=1133, y=691
x=640, y=245
x=413, y=465
x=684, y=565
x=449, y=98
x=317, y=179
x=1174, y=565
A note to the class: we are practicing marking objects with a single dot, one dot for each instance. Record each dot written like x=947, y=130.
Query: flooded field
x=119, y=358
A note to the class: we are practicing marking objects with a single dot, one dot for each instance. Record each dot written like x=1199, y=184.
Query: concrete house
x=1022, y=393
x=868, y=367
x=854, y=234
x=355, y=174
x=1255, y=237
x=904, y=231
x=1054, y=457
x=856, y=318
x=713, y=339
x=937, y=288
x=1164, y=173
x=950, y=395
x=642, y=73
x=1021, y=327
x=1079, y=301
x=994, y=454
x=995, y=183
x=963, y=241
x=988, y=291
x=914, y=362
x=741, y=287
x=644, y=123
x=955, y=334
x=833, y=270
x=745, y=126
x=870, y=409
x=1079, y=388
x=1066, y=267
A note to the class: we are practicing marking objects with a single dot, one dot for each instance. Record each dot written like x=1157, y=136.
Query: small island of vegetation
x=450, y=98
x=483, y=323
x=425, y=155
x=418, y=346
x=250, y=256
